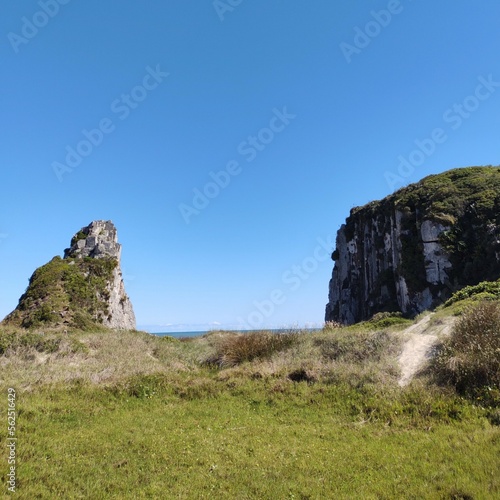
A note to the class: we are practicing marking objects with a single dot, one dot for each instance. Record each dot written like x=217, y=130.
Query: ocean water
x=179, y=335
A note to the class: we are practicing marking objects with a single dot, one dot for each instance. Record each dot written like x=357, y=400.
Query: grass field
x=128, y=415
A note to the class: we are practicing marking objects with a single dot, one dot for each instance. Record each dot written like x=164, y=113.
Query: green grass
x=260, y=439
x=129, y=415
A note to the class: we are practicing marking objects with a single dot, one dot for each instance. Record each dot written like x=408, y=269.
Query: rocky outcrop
x=100, y=240
x=82, y=290
x=410, y=251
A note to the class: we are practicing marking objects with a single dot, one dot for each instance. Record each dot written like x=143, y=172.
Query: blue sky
x=299, y=110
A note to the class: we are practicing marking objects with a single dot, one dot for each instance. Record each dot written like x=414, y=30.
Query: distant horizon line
x=206, y=327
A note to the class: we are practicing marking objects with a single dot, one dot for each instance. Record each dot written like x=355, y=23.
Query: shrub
x=470, y=358
x=236, y=349
x=485, y=290
x=6, y=340
x=332, y=325
x=388, y=319
x=354, y=347
x=14, y=341
x=80, y=235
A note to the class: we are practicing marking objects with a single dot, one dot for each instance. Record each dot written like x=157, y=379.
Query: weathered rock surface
x=100, y=240
x=410, y=251
x=84, y=289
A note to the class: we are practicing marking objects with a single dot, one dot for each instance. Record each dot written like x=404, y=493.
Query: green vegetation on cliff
x=445, y=196
x=464, y=200
x=467, y=200
x=66, y=292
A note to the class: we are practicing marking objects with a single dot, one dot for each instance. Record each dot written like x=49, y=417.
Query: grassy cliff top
x=443, y=196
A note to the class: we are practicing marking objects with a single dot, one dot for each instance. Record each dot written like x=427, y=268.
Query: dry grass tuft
x=237, y=348
x=470, y=358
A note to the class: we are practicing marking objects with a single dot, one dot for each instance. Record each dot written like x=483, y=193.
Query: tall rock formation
x=83, y=290
x=410, y=251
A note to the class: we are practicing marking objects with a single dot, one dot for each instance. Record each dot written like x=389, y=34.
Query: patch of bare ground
x=421, y=339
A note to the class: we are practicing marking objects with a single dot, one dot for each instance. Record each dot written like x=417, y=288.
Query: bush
x=489, y=290
x=14, y=341
x=470, y=358
x=332, y=325
x=236, y=349
x=388, y=319
x=354, y=347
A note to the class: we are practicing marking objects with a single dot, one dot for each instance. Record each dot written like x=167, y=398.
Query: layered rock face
x=83, y=290
x=100, y=240
x=410, y=251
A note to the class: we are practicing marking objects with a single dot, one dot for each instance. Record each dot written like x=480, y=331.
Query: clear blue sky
x=307, y=111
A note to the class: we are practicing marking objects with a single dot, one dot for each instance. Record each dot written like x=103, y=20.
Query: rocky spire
x=84, y=290
x=100, y=240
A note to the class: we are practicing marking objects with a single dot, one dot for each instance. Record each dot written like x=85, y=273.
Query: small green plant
x=470, y=358
x=78, y=236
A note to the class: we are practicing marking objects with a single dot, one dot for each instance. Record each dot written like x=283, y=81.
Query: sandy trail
x=422, y=337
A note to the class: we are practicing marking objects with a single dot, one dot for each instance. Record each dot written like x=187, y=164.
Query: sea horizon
x=200, y=333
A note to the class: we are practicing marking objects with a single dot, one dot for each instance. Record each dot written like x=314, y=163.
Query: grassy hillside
x=262, y=439
x=130, y=415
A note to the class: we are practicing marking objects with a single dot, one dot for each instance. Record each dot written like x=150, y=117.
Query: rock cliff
x=410, y=251
x=83, y=290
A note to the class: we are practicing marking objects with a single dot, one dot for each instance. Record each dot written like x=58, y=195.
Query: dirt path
x=422, y=337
